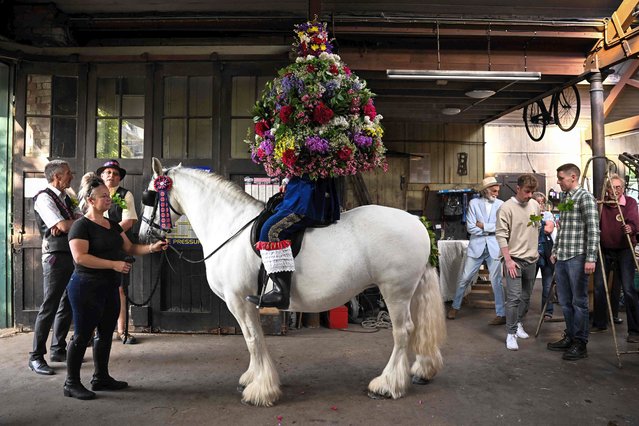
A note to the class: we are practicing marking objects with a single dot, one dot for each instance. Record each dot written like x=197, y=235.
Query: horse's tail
x=427, y=310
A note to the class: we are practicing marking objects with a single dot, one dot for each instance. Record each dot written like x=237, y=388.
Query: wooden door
x=48, y=124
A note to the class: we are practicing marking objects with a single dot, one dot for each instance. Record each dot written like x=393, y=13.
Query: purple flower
x=362, y=141
x=267, y=146
x=317, y=144
x=330, y=87
x=290, y=82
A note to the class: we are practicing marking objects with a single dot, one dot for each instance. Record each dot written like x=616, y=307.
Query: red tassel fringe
x=272, y=245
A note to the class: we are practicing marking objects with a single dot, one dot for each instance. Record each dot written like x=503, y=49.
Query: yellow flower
x=313, y=29
x=314, y=46
x=374, y=131
x=323, y=47
x=283, y=144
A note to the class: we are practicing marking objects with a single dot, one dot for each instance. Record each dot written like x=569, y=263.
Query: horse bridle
x=150, y=198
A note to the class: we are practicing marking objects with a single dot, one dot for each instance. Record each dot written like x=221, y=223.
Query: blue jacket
x=316, y=200
x=480, y=238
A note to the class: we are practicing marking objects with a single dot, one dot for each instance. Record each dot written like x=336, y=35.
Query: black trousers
x=55, y=309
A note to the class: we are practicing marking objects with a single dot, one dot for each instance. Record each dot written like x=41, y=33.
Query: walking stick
x=125, y=288
x=543, y=309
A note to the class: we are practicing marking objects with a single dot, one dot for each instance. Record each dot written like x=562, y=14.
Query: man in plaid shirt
x=574, y=255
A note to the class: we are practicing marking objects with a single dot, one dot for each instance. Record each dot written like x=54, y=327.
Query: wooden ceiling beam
x=622, y=126
x=613, y=96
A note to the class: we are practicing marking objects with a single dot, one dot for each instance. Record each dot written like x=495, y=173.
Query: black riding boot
x=101, y=378
x=72, y=385
x=279, y=297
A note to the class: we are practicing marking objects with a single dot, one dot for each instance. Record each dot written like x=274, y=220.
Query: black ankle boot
x=72, y=385
x=279, y=297
x=101, y=378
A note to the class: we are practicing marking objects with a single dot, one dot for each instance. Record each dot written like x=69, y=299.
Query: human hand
x=511, y=267
x=121, y=266
x=159, y=246
x=589, y=267
x=479, y=225
x=627, y=229
x=553, y=259
x=55, y=231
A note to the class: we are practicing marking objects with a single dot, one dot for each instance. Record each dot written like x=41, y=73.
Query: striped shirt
x=578, y=228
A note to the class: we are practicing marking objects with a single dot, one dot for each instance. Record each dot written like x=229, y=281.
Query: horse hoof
x=240, y=388
x=420, y=381
x=375, y=395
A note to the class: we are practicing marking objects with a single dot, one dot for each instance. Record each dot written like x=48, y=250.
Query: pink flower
x=347, y=70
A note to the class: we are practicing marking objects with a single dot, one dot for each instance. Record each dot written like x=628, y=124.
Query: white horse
x=370, y=245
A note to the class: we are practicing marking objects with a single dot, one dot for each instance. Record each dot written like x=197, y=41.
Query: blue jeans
x=95, y=304
x=471, y=267
x=572, y=290
x=518, y=291
x=623, y=267
x=547, y=271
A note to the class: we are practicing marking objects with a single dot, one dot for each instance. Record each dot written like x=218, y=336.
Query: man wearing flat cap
x=481, y=220
x=122, y=211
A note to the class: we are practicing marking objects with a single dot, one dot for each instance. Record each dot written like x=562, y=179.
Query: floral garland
x=317, y=118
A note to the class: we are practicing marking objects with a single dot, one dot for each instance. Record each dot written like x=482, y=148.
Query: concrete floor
x=192, y=379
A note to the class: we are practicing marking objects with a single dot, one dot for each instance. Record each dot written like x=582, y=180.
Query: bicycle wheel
x=534, y=120
x=566, y=107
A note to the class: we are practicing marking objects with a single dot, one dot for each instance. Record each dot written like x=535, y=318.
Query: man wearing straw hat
x=481, y=219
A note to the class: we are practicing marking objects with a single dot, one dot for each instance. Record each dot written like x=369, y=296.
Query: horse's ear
x=157, y=167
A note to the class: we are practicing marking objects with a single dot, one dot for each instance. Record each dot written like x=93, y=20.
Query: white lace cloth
x=278, y=260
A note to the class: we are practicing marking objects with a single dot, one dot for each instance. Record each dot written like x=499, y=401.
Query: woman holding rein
x=96, y=244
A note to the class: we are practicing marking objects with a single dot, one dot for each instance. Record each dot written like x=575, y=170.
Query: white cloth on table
x=452, y=255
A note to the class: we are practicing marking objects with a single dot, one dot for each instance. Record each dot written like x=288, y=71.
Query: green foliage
x=567, y=205
x=535, y=220
x=118, y=201
x=434, y=253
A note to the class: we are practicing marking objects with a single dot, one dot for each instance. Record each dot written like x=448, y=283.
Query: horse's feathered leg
x=430, y=329
x=394, y=380
x=260, y=382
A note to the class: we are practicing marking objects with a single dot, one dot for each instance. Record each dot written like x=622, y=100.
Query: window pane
x=175, y=96
x=65, y=95
x=132, y=138
x=63, y=139
x=107, y=139
x=200, y=96
x=173, y=138
x=108, y=99
x=38, y=137
x=133, y=105
x=38, y=94
x=243, y=96
x=239, y=128
x=200, y=138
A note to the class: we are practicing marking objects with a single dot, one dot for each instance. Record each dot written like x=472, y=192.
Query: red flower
x=369, y=109
x=322, y=114
x=260, y=153
x=289, y=158
x=333, y=69
x=310, y=68
x=261, y=127
x=285, y=113
x=344, y=153
x=347, y=70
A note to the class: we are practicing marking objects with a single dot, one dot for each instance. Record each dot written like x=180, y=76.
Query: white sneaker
x=520, y=331
x=511, y=342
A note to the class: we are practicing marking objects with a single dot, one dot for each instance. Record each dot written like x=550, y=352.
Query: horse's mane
x=230, y=189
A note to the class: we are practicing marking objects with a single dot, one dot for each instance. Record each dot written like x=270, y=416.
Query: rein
x=181, y=254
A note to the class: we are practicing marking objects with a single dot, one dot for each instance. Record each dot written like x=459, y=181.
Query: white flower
x=339, y=121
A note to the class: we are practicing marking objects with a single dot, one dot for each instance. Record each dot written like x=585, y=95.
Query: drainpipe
x=597, y=126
